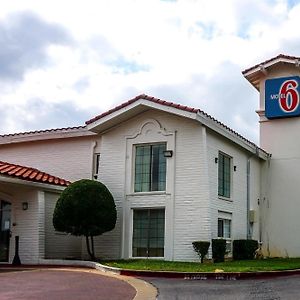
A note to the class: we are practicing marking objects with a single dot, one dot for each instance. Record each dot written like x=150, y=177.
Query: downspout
x=173, y=194
x=248, y=197
x=264, y=198
x=259, y=200
x=248, y=190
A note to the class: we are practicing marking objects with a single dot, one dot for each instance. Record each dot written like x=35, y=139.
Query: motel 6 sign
x=282, y=97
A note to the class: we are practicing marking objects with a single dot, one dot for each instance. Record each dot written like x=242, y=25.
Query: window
x=96, y=164
x=224, y=228
x=150, y=168
x=148, y=233
x=224, y=175
x=224, y=232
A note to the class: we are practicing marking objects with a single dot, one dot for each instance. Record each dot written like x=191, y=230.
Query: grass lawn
x=270, y=264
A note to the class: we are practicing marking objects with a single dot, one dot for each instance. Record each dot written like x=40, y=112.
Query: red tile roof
x=145, y=97
x=270, y=60
x=43, y=131
x=171, y=104
x=30, y=174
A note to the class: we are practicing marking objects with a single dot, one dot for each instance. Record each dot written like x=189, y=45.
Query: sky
x=63, y=62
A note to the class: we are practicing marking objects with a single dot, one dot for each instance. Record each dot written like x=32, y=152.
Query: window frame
x=148, y=210
x=96, y=165
x=223, y=194
x=222, y=236
x=150, y=190
x=227, y=239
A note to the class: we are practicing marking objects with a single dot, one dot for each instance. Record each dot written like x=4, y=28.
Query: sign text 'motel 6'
x=282, y=97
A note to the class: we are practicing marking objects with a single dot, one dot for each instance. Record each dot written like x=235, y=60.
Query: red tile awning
x=30, y=174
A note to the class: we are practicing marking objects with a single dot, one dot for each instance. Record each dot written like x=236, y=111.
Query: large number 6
x=289, y=96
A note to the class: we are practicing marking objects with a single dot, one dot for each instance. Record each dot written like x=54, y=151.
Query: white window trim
x=96, y=165
x=133, y=171
x=222, y=215
x=230, y=198
x=131, y=234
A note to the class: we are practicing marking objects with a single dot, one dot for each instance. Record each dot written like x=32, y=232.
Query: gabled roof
x=194, y=113
x=145, y=97
x=254, y=74
x=30, y=174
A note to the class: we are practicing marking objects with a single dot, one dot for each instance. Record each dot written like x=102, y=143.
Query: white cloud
x=122, y=48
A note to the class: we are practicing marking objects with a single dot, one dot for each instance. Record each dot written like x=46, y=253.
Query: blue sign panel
x=282, y=97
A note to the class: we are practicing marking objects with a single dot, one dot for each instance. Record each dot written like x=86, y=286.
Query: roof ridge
x=42, y=131
x=139, y=97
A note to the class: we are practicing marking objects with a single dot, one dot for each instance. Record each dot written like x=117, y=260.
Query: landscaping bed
x=270, y=264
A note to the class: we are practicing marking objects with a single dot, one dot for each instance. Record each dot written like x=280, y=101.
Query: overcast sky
x=63, y=62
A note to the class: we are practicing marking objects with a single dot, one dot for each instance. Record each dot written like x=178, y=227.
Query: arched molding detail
x=149, y=127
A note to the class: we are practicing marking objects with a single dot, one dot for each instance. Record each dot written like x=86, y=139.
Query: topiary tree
x=85, y=208
x=201, y=247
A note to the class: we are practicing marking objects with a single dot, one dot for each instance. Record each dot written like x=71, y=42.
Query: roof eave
x=44, y=135
x=247, y=145
x=253, y=75
x=37, y=185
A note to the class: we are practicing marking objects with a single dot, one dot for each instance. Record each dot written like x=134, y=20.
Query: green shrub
x=86, y=207
x=201, y=247
x=244, y=249
x=218, y=250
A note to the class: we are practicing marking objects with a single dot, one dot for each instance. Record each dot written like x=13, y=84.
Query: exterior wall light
x=168, y=153
x=24, y=205
x=216, y=160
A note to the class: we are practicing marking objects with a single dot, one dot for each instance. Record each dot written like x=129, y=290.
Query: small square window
x=224, y=228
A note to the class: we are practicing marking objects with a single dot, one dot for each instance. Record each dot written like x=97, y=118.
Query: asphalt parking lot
x=285, y=288
x=62, y=285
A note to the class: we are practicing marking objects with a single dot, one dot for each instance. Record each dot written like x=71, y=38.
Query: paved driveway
x=285, y=288
x=62, y=285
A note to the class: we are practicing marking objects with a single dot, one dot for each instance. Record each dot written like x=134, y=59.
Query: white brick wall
x=237, y=205
x=67, y=158
x=58, y=244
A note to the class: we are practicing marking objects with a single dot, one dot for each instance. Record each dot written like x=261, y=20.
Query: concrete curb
x=191, y=275
x=210, y=275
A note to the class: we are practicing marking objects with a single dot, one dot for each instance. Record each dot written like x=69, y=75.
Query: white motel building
x=176, y=173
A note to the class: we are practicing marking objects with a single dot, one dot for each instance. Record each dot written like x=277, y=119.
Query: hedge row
x=242, y=249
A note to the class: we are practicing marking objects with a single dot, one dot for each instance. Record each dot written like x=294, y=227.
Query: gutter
x=248, y=197
x=44, y=186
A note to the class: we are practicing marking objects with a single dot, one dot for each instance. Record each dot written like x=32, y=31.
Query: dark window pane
x=220, y=228
x=148, y=233
x=224, y=175
x=150, y=168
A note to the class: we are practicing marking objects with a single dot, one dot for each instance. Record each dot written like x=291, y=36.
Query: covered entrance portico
x=22, y=213
x=23, y=208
